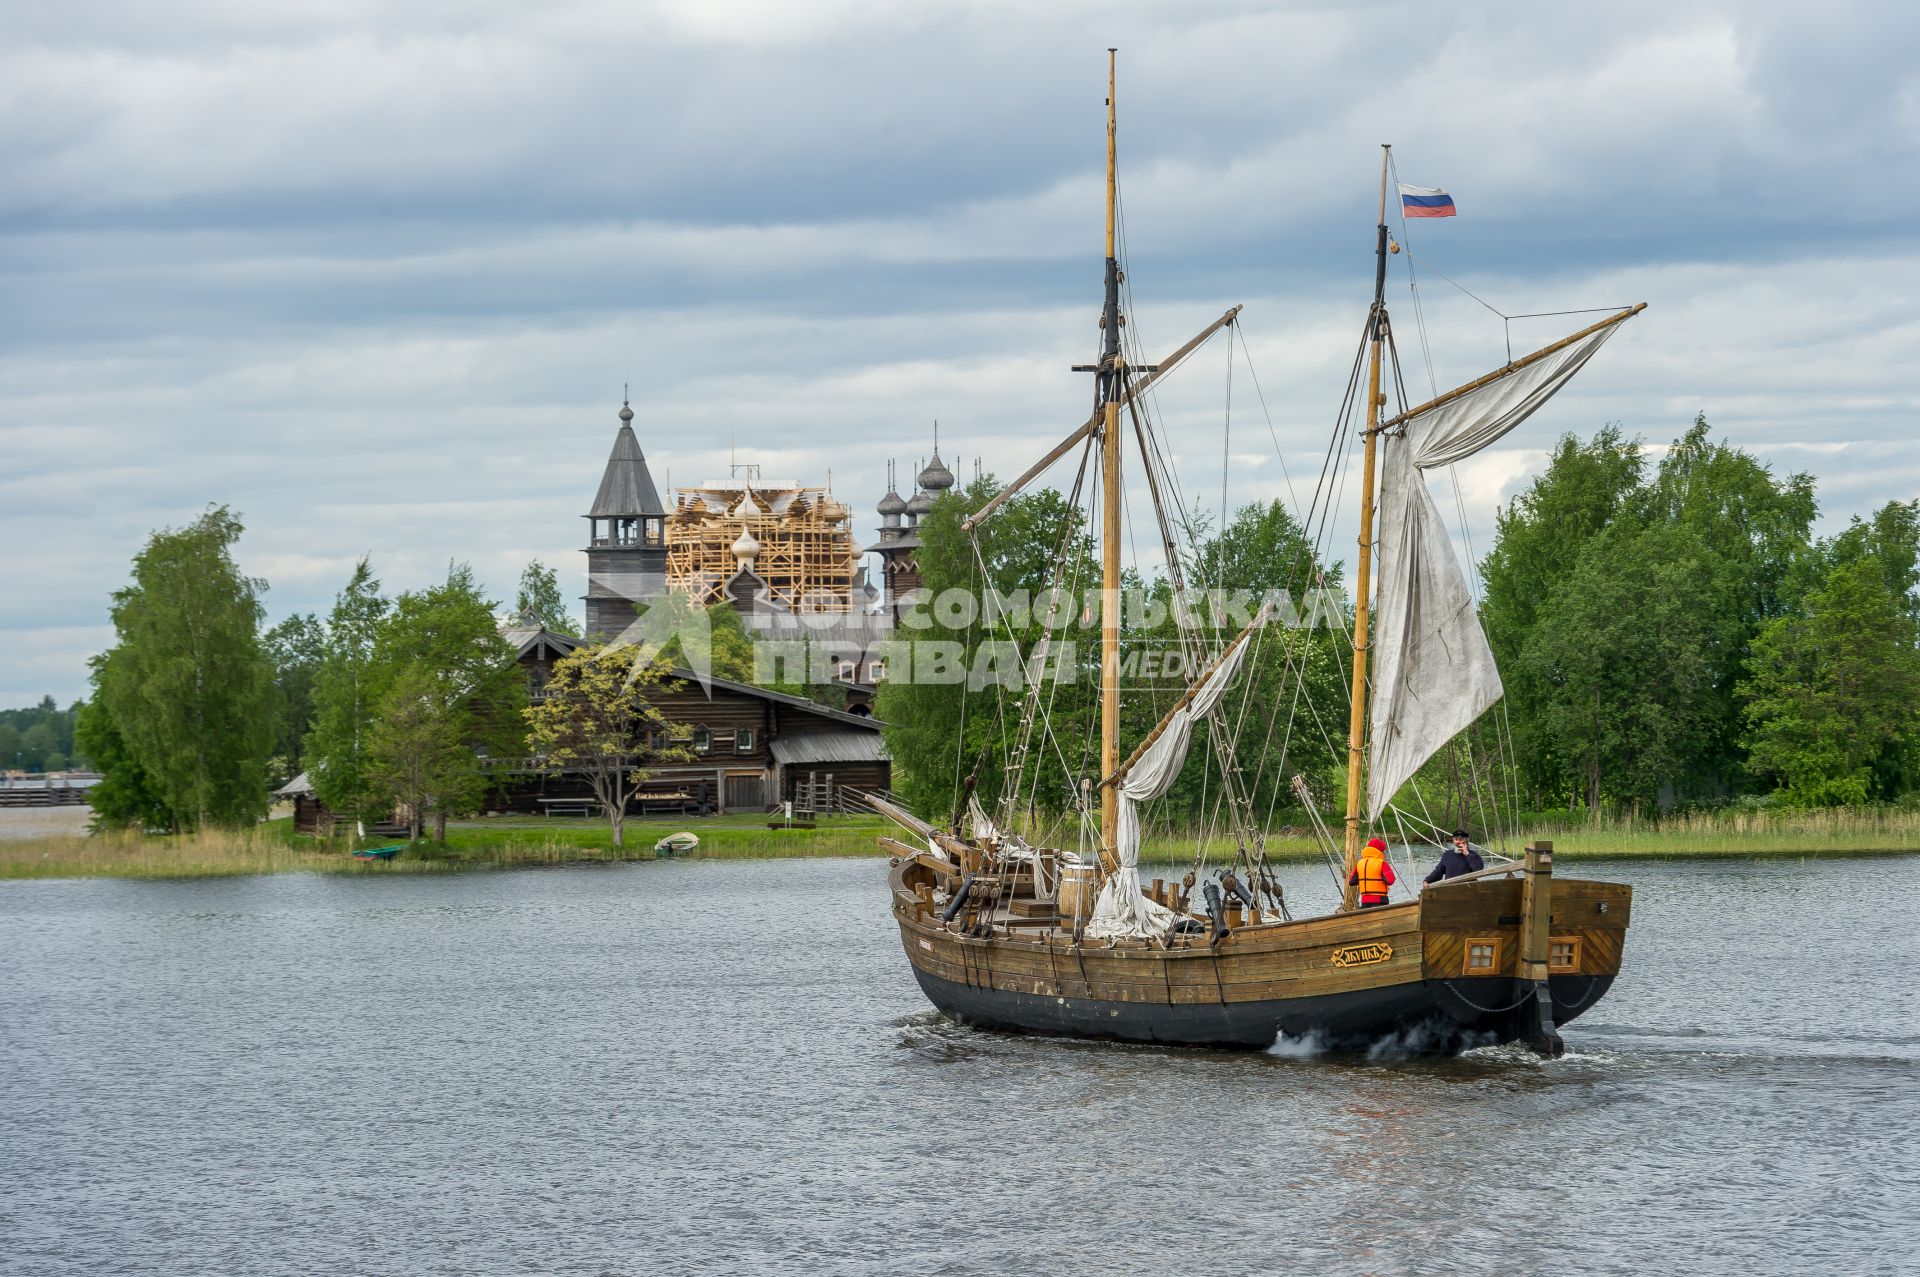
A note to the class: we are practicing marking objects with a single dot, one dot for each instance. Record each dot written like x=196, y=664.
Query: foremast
x=1363, y=567
x=1111, y=390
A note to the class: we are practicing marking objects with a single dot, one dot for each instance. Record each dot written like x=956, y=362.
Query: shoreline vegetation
x=510, y=842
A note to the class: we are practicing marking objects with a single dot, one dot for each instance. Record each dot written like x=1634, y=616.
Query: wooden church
x=753, y=748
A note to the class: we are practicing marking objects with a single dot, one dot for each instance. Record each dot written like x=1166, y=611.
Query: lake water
x=691, y=1067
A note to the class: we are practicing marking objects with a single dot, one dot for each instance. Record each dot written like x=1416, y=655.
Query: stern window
x=1563, y=954
x=1483, y=955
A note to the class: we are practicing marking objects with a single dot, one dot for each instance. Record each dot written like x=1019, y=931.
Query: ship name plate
x=1362, y=955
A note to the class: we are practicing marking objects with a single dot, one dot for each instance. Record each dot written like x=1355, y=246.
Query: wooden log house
x=752, y=747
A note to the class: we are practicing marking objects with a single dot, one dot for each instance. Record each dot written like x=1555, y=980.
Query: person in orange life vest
x=1372, y=874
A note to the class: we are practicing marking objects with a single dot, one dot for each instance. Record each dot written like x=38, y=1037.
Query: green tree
x=539, y=598
x=728, y=642
x=1755, y=535
x=1538, y=540
x=1747, y=534
x=936, y=730
x=1891, y=540
x=186, y=683
x=125, y=797
x=298, y=649
x=1287, y=717
x=598, y=719
x=942, y=730
x=479, y=690
x=344, y=694
x=416, y=751
x=1262, y=549
x=1625, y=652
x=10, y=750
x=1832, y=687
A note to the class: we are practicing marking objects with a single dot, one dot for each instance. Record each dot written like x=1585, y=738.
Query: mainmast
x=1110, y=393
x=1363, y=571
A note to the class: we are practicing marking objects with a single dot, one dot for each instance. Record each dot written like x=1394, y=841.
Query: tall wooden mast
x=1111, y=391
x=1363, y=570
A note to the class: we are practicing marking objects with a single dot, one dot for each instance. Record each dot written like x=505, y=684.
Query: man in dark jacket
x=1459, y=859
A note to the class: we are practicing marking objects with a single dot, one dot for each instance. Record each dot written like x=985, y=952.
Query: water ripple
x=576, y=1073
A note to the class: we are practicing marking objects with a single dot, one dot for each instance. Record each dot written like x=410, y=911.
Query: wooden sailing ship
x=1009, y=936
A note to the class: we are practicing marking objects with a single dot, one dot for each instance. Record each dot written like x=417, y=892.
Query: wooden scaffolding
x=795, y=537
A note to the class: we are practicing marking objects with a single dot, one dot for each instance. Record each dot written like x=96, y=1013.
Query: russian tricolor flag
x=1425, y=201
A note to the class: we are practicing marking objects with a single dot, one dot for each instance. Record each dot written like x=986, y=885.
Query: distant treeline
x=39, y=738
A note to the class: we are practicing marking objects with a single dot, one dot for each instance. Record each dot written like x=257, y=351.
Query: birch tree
x=597, y=719
x=186, y=685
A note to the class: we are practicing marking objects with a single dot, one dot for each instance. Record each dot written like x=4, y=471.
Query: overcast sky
x=374, y=273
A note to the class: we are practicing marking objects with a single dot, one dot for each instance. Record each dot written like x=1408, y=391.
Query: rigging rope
x=960, y=741
x=1031, y=700
x=1316, y=527
x=1508, y=759
x=1226, y=467
x=1045, y=717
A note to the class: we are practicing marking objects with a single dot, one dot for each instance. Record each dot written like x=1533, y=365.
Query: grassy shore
x=273, y=847
x=1852, y=831
x=1734, y=833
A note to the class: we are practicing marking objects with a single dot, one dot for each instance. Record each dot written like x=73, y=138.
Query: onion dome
x=936, y=478
x=921, y=503
x=745, y=548
x=746, y=505
x=891, y=503
x=626, y=412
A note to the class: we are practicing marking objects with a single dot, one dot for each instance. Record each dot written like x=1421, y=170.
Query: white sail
x=1433, y=672
x=1123, y=910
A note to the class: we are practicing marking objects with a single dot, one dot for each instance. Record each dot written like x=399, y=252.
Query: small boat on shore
x=676, y=844
x=379, y=853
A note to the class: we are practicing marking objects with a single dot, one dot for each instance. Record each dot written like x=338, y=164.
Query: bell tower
x=626, y=539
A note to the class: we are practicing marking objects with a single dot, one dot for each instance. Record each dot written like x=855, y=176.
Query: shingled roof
x=626, y=488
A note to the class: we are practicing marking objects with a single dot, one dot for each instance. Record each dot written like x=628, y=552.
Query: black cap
x=1460, y=833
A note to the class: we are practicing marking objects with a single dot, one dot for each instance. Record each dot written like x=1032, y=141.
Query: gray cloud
x=374, y=274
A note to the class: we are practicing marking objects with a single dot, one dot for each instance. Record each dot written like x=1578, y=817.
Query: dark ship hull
x=1435, y=975
x=1439, y=1016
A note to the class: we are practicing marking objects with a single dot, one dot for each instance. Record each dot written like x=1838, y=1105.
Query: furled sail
x=1123, y=910
x=1433, y=672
